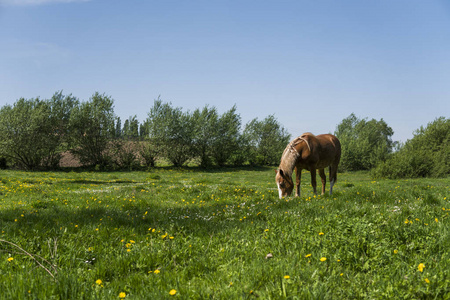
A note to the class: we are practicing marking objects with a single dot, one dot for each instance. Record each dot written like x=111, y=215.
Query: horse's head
x=284, y=183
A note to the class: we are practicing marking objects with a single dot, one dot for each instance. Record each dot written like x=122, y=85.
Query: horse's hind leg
x=313, y=179
x=324, y=179
x=333, y=177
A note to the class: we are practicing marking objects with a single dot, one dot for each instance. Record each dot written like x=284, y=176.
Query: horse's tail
x=334, y=166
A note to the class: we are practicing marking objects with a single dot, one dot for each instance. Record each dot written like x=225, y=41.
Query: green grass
x=206, y=234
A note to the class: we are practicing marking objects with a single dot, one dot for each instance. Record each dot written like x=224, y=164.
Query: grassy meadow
x=220, y=234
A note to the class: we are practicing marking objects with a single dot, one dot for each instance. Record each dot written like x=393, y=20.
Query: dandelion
x=323, y=259
x=321, y=233
x=342, y=274
x=157, y=271
x=10, y=259
x=308, y=255
x=395, y=251
x=266, y=230
x=286, y=277
x=420, y=267
x=436, y=219
x=427, y=280
x=172, y=292
x=122, y=295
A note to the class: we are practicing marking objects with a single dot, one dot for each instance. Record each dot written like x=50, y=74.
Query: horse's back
x=331, y=147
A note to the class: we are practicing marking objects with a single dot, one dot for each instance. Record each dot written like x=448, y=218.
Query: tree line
x=36, y=133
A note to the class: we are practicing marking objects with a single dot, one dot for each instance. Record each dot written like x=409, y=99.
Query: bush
x=364, y=143
x=427, y=154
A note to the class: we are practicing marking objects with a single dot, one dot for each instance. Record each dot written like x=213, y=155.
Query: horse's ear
x=281, y=173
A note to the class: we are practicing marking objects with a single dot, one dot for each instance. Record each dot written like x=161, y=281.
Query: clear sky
x=310, y=63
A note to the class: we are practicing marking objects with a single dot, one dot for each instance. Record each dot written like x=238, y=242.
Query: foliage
x=92, y=128
x=131, y=128
x=266, y=140
x=203, y=134
x=172, y=132
x=205, y=123
x=364, y=143
x=208, y=235
x=32, y=132
x=123, y=154
x=426, y=154
x=148, y=152
x=225, y=144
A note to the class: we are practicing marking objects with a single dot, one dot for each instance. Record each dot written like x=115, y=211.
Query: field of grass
x=220, y=234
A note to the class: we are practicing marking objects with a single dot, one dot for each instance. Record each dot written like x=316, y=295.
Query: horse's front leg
x=324, y=179
x=298, y=177
x=313, y=179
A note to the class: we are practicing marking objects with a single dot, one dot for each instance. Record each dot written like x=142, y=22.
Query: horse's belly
x=323, y=164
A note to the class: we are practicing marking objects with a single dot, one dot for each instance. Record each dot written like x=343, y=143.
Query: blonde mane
x=289, y=157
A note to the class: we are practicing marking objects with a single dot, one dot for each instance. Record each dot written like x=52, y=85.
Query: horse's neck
x=288, y=160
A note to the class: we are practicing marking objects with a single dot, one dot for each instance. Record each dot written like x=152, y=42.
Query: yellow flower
x=122, y=295
x=266, y=230
x=321, y=233
x=172, y=292
x=436, y=219
x=395, y=251
x=157, y=271
x=10, y=259
x=308, y=255
x=323, y=259
x=420, y=267
x=427, y=280
x=286, y=277
x=99, y=282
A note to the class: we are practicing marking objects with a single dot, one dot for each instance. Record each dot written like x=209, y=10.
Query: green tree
x=171, y=131
x=364, y=143
x=143, y=130
x=266, y=140
x=427, y=154
x=225, y=145
x=32, y=131
x=118, y=132
x=61, y=109
x=92, y=128
x=205, y=132
x=131, y=128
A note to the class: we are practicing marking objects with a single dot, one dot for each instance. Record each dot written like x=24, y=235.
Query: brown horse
x=308, y=152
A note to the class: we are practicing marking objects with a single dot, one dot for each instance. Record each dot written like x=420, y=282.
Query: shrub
x=427, y=154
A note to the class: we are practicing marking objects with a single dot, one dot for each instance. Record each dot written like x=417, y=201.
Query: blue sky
x=310, y=63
